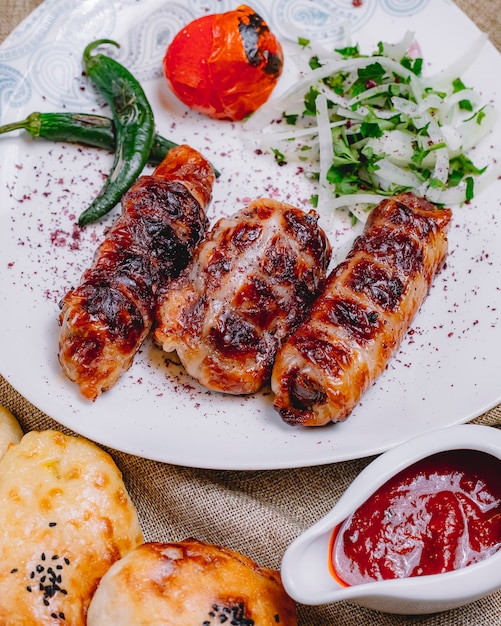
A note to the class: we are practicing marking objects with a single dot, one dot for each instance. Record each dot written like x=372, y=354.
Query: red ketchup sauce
x=440, y=514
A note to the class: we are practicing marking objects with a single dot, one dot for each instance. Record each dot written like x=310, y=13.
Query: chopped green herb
x=414, y=65
x=370, y=129
x=458, y=85
x=466, y=105
x=314, y=63
x=480, y=116
x=279, y=156
x=466, y=165
x=349, y=52
x=435, y=183
x=310, y=99
x=470, y=185
x=380, y=128
x=369, y=76
x=336, y=83
x=343, y=154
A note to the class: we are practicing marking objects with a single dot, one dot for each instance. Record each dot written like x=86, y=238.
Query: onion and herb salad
x=373, y=126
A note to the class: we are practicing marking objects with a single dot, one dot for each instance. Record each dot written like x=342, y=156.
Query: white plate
x=447, y=370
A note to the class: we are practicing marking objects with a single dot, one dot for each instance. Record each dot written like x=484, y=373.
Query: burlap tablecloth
x=259, y=512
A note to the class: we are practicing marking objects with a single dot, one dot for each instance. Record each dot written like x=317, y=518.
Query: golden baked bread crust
x=10, y=430
x=189, y=583
x=65, y=518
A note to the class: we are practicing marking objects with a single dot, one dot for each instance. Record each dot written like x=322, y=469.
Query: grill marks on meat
x=363, y=313
x=107, y=317
x=248, y=286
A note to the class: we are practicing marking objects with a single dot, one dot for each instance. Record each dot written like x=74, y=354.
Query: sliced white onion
x=472, y=132
x=391, y=175
x=422, y=118
x=358, y=203
x=375, y=91
x=398, y=50
x=397, y=145
x=453, y=139
x=449, y=111
x=445, y=129
x=457, y=195
x=458, y=67
x=326, y=158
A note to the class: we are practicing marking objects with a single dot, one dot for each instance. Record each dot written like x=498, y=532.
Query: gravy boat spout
x=306, y=570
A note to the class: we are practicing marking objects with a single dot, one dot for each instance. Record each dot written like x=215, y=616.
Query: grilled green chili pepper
x=85, y=129
x=134, y=126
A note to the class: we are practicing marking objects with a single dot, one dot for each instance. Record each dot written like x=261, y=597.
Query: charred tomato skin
x=224, y=65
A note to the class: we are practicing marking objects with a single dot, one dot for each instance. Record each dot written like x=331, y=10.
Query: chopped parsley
x=384, y=129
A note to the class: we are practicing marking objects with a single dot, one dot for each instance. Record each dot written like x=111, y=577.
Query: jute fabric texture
x=259, y=512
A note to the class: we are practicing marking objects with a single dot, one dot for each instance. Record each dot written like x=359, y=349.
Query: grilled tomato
x=224, y=65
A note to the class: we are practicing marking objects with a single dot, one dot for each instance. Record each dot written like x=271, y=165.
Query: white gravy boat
x=305, y=565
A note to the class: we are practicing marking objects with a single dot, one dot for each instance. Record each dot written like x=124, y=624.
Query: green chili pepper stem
x=88, y=58
x=96, y=131
x=134, y=127
x=86, y=129
x=30, y=124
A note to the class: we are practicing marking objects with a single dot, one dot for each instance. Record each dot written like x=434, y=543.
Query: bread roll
x=189, y=584
x=65, y=518
x=10, y=430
